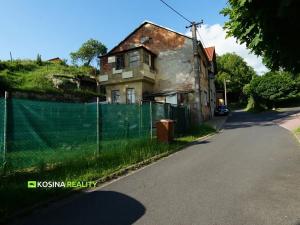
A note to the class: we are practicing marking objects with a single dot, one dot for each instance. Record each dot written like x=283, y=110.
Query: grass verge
x=297, y=131
x=15, y=195
x=297, y=134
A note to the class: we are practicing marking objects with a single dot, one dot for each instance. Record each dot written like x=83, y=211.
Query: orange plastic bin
x=165, y=130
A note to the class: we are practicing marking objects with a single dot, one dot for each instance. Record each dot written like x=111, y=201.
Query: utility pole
x=10, y=57
x=196, y=71
x=225, y=90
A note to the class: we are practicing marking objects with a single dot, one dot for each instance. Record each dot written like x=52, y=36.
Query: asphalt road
x=249, y=174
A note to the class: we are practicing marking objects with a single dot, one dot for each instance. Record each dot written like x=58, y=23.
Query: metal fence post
x=98, y=127
x=189, y=117
x=151, y=124
x=185, y=118
x=169, y=111
x=140, y=118
x=5, y=130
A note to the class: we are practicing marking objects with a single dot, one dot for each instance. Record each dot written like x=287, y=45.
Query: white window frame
x=130, y=96
x=134, y=59
x=115, y=98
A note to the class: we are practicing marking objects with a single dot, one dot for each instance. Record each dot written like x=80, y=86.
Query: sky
x=57, y=27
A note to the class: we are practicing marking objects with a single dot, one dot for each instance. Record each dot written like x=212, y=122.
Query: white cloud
x=215, y=35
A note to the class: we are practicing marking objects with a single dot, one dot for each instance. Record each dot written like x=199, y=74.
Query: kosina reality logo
x=61, y=184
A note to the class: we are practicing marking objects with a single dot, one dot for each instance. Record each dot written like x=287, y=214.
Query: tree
x=88, y=51
x=39, y=59
x=234, y=69
x=272, y=88
x=269, y=28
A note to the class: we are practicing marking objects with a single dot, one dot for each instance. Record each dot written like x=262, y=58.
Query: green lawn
x=81, y=165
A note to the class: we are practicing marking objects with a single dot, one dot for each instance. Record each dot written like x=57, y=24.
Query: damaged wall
x=175, y=69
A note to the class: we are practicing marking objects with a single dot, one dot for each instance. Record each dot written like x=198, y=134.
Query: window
x=152, y=62
x=172, y=99
x=134, y=59
x=146, y=57
x=130, y=96
x=149, y=60
x=115, y=96
x=120, y=62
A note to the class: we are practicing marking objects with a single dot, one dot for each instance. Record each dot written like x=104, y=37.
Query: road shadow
x=201, y=142
x=93, y=208
x=196, y=142
x=241, y=119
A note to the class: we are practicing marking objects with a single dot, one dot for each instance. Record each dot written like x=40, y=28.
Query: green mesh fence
x=160, y=111
x=43, y=133
x=40, y=132
x=180, y=115
x=124, y=121
x=39, y=125
x=1, y=130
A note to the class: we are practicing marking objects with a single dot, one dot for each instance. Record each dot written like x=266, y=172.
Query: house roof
x=154, y=24
x=53, y=59
x=210, y=51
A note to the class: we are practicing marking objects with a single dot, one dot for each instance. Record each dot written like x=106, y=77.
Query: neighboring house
x=56, y=60
x=156, y=63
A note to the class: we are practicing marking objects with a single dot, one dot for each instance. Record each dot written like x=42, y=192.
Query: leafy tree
x=234, y=69
x=88, y=51
x=272, y=88
x=39, y=59
x=269, y=28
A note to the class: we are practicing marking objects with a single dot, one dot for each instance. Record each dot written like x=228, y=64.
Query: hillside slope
x=27, y=75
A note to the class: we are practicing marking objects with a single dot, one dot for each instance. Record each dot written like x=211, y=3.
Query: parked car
x=221, y=110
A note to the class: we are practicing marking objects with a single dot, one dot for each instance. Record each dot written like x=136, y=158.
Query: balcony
x=137, y=65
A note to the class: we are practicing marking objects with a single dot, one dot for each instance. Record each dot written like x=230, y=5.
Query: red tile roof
x=210, y=52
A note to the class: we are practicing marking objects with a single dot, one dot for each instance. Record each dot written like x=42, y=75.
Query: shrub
x=272, y=89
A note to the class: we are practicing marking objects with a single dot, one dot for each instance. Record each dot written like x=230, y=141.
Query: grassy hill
x=29, y=76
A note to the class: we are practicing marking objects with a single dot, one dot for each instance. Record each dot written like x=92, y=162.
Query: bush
x=254, y=106
x=272, y=89
x=3, y=66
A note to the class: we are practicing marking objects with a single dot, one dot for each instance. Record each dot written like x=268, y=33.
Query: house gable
x=153, y=37
x=211, y=54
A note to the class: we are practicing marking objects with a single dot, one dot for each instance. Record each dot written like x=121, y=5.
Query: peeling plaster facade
x=167, y=74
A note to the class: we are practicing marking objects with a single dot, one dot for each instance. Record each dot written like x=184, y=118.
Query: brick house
x=156, y=63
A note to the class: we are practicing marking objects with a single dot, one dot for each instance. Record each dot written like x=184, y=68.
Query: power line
x=201, y=39
x=178, y=13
